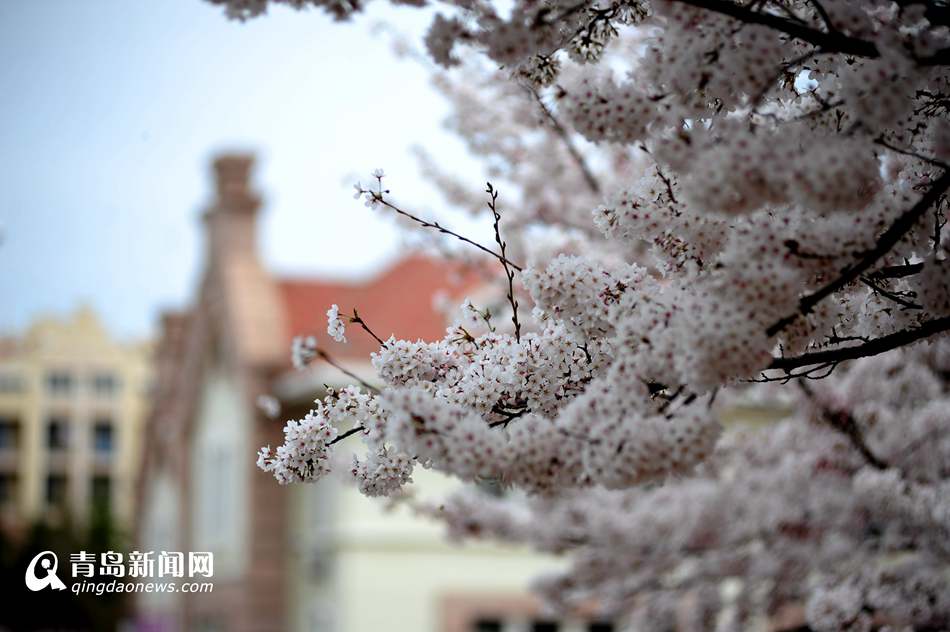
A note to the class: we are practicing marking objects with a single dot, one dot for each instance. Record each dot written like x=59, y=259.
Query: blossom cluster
x=704, y=195
x=794, y=507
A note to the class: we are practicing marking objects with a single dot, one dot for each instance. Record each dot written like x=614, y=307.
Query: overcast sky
x=111, y=109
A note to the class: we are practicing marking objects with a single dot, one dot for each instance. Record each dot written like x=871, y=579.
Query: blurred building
x=302, y=557
x=72, y=406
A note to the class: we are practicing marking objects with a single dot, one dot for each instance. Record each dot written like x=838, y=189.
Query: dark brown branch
x=507, y=416
x=820, y=10
x=885, y=242
x=669, y=185
x=846, y=424
x=565, y=136
x=503, y=245
x=906, y=152
x=832, y=42
x=816, y=372
x=897, y=272
x=871, y=348
x=356, y=319
x=889, y=295
x=352, y=431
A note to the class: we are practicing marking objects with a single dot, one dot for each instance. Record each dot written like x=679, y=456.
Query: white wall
x=389, y=569
x=220, y=453
x=160, y=533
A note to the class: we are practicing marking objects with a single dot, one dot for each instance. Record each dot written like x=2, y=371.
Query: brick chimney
x=231, y=219
x=241, y=294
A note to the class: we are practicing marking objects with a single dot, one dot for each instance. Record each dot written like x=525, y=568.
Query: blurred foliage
x=59, y=610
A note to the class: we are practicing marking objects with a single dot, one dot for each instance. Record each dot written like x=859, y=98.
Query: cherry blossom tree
x=694, y=202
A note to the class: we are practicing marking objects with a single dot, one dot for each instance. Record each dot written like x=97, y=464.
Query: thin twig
x=507, y=416
x=329, y=360
x=907, y=152
x=817, y=372
x=356, y=319
x=565, y=136
x=892, y=296
x=352, y=431
x=669, y=185
x=378, y=197
x=502, y=244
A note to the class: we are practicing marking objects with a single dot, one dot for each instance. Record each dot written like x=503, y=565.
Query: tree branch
x=348, y=433
x=906, y=152
x=326, y=357
x=378, y=197
x=358, y=320
x=891, y=296
x=897, y=272
x=503, y=245
x=589, y=178
x=846, y=424
x=873, y=347
x=832, y=42
x=885, y=242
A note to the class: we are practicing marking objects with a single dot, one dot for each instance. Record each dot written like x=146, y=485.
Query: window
x=9, y=433
x=105, y=384
x=57, y=431
x=59, y=383
x=101, y=492
x=7, y=489
x=102, y=436
x=11, y=383
x=487, y=625
x=56, y=490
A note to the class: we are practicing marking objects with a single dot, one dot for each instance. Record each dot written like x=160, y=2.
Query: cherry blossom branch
x=507, y=415
x=825, y=18
x=589, y=177
x=892, y=296
x=502, y=244
x=669, y=185
x=352, y=431
x=897, y=272
x=356, y=319
x=377, y=196
x=885, y=242
x=871, y=348
x=906, y=152
x=816, y=372
x=323, y=355
x=846, y=424
x=832, y=41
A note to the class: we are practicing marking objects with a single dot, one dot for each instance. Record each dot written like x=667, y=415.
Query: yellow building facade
x=72, y=400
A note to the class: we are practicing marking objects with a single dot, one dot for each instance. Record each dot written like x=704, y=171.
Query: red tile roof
x=397, y=302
